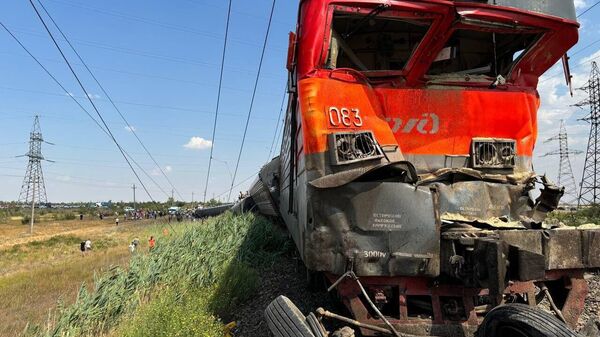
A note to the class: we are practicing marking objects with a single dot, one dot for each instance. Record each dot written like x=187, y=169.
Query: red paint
x=315, y=16
x=465, y=110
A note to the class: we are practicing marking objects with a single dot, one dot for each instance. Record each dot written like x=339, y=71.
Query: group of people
x=133, y=246
x=86, y=246
x=143, y=214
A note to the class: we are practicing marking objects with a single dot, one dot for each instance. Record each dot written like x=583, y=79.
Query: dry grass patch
x=32, y=296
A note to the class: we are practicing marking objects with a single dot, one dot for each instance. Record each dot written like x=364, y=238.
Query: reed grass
x=209, y=266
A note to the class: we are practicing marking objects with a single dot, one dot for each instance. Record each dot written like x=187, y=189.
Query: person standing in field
x=82, y=248
x=151, y=243
x=117, y=221
x=88, y=245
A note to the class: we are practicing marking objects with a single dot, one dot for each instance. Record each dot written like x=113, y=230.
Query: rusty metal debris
x=351, y=275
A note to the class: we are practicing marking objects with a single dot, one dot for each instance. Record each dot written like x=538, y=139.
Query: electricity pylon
x=590, y=180
x=565, y=172
x=34, y=189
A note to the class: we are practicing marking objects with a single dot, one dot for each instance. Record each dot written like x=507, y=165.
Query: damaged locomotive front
x=407, y=154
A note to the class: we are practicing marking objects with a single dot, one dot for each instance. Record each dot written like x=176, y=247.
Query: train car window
x=375, y=43
x=471, y=52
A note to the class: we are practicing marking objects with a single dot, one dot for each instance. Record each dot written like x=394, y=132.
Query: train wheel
x=520, y=320
x=285, y=320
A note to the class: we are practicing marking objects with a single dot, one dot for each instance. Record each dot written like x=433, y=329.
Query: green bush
x=67, y=240
x=27, y=220
x=576, y=218
x=65, y=216
x=173, y=314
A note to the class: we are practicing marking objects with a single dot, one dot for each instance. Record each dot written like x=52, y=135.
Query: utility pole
x=32, y=211
x=192, y=198
x=565, y=172
x=133, y=187
x=590, y=180
x=172, y=195
x=33, y=189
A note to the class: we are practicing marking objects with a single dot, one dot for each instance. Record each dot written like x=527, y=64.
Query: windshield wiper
x=376, y=11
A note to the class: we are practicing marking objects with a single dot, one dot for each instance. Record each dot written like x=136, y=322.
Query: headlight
x=349, y=147
x=493, y=153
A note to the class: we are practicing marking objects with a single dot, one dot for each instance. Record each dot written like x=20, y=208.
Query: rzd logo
x=428, y=124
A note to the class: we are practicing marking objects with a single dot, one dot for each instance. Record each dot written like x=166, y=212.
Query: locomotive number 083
x=344, y=117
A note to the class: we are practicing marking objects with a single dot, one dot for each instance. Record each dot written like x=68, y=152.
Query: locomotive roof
x=559, y=8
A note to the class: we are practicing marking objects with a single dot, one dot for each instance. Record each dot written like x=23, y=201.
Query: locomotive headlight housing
x=351, y=147
x=493, y=153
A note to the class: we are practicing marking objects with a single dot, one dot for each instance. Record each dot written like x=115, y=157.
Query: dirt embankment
x=287, y=278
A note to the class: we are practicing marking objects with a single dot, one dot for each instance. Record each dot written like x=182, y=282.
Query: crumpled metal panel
x=565, y=248
x=378, y=228
x=493, y=204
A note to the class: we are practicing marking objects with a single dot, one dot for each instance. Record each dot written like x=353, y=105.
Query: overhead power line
x=262, y=56
x=110, y=99
x=278, y=122
x=156, y=23
x=588, y=9
x=574, y=67
x=218, y=101
x=89, y=98
x=61, y=86
x=166, y=107
x=146, y=54
x=589, y=191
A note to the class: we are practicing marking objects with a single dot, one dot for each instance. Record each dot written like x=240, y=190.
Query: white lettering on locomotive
x=344, y=117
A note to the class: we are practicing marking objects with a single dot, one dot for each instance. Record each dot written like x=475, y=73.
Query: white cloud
x=580, y=4
x=92, y=96
x=130, y=128
x=198, y=143
x=156, y=171
x=557, y=104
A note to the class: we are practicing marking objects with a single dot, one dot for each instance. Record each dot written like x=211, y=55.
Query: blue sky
x=159, y=60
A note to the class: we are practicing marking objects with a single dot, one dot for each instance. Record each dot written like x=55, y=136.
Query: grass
x=38, y=271
x=172, y=314
x=576, y=218
x=181, y=288
x=27, y=296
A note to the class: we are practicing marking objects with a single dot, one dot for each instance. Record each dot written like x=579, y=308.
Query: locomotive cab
x=407, y=157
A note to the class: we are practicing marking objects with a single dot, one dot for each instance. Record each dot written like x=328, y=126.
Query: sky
x=159, y=61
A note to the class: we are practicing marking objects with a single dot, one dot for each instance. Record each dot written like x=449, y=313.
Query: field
x=201, y=276
x=38, y=271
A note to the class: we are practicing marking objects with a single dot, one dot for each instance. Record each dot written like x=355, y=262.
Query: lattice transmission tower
x=565, y=172
x=589, y=192
x=33, y=189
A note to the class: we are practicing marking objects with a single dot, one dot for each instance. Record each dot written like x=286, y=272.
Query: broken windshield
x=373, y=43
x=472, y=52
